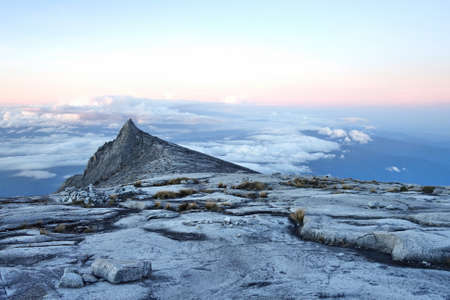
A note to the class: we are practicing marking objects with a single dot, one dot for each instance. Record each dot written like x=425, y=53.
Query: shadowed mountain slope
x=135, y=153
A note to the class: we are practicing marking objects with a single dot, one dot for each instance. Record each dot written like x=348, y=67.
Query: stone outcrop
x=118, y=271
x=134, y=154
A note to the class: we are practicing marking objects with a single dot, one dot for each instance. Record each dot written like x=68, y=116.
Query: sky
x=294, y=53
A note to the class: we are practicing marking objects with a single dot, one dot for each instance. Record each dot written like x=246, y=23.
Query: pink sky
x=289, y=53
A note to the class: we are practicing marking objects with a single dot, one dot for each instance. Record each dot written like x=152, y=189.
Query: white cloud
x=354, y=120
x=35, y=174
x=43, y=152
x=270, y=152
x=394, y=169
x=334, y=133
x=267, y=138
x=359, y=136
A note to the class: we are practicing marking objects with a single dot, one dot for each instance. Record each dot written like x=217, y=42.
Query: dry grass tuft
x=212, y=206
x=305, y=183
x=251, y=186
x=297, y=217
x=428, y=189
x=192, y=205
x=165, y=195
x=168, y=207
x=42, y=231
x=263, y=194
x=172, y=195
x=138, y=183
x=187, y=192
x=157, y=204
x=60, y=228
x=222, y=185
x=403, y=188
x=187, y=206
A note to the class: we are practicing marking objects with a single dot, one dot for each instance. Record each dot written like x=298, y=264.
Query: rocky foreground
x=228, y=236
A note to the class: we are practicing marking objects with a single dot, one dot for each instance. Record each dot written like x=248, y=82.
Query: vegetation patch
x=297, y=217
x=251, y=186
x=138, y=183
x=165, y=195
x=60, y=228
x=222, y=185
x=187, y=206
x=172, y=195
x=178, y=180
x=428, y=189
x=305, y=183
x=212, y=206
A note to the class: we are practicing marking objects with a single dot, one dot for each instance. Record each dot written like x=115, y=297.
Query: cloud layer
x=267, y=139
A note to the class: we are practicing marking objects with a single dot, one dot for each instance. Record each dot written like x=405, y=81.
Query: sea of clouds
x=267, y=139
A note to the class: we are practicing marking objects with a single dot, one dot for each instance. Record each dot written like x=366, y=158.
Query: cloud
x=53, y=150
x=354, y=120
x=285, y=152
x=395, y=169
x=359, y=136
x=267, y=139
x=353, y=135
x=334, y=133
x=35, y=174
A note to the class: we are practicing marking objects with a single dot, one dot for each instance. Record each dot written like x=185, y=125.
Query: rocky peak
x=134, y=154
x=128, y=130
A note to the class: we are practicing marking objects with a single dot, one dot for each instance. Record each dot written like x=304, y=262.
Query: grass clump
x=347, y=187
x=251, y=186
x=165, y=195
x=297, y=217
x=187, y=206
x=183, y=206
x=168, y=207
x=192, y=205
x=138, y=183
x=403, y=188
x=43, y=231
x=157, y=204
x=263, y=195
x=212, y=206
x=428, y=189
x=187, y=192
x=172, y=195
x=222, y=185
x=60, y=228
x=305, y=183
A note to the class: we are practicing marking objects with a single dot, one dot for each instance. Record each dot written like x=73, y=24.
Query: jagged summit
x=135, y=153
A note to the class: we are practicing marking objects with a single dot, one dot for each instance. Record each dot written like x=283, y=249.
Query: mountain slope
x=135, y=153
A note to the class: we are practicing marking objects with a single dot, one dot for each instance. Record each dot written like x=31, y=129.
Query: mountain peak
x=128, y=128
x=135, y=154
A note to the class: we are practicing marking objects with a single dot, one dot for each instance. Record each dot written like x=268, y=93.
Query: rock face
x=135, y=153
x=228, y=236
x=118, y=271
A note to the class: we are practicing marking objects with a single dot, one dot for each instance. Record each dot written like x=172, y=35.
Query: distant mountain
x=135, y=153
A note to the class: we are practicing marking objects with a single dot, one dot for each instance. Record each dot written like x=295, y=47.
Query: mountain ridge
x=135, y=153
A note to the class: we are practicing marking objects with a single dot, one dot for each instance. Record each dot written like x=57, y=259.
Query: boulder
x=118, y=271
x=70, y=279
